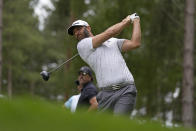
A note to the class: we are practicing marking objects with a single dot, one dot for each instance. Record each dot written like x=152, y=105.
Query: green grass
x=27, y=114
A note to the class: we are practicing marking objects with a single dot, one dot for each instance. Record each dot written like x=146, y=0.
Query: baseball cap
x=76, y=23
x=87, y=70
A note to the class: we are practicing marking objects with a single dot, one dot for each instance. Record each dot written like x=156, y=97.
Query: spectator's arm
x=93, y=104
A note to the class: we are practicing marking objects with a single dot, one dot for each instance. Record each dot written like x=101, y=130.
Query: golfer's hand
x=127, y=20
x=134, y=17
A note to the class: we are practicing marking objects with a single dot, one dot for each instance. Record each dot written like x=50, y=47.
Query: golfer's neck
x=91, y=34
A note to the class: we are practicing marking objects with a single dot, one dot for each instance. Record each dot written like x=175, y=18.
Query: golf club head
x=45, y=75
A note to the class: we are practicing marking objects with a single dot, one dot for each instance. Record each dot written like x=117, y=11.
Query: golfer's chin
x=79, y=38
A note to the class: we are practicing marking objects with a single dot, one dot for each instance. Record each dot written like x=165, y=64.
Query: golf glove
x=133, y=16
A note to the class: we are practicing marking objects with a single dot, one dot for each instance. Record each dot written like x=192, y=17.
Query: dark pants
x=120, y=101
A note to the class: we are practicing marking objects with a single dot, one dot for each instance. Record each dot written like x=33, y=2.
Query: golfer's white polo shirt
x=106, y=61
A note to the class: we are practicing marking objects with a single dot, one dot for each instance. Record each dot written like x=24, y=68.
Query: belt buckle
x=115, y=87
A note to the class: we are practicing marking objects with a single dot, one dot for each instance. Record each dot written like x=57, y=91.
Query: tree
x=23, y=47
x=188, y=65
x=1, y=27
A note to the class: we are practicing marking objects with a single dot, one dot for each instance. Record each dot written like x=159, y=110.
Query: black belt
x=115, y=87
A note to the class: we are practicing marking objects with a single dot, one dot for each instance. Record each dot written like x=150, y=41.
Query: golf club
x=46, y=75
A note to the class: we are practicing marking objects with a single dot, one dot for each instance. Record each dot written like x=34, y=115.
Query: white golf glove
x=133, y=16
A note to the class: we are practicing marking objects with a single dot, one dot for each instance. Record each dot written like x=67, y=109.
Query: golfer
x=102, y=53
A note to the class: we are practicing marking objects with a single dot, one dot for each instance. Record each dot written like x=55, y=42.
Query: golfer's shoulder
x=84, y=44
x=85, y=40
x=113, y=39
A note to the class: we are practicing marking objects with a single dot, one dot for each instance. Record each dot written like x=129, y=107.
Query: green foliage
x=22, y=44
x=34, y=114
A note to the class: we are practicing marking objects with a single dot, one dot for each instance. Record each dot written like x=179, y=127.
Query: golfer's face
x=79, y=32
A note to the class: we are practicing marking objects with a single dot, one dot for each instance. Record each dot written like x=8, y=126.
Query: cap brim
x=71, y=28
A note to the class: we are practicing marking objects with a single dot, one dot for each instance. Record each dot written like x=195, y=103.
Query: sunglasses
x=83, y=73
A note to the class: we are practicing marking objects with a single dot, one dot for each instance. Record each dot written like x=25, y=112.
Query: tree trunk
x=188, y=65
x=69, y=51
x=1, y=25
x=9, y=86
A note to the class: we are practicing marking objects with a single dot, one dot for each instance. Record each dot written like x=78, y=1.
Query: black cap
x=87, y=70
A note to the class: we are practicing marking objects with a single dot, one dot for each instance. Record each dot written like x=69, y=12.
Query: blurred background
x=34, y=38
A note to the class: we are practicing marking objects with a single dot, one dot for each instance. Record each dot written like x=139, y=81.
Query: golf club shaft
x=63, y=63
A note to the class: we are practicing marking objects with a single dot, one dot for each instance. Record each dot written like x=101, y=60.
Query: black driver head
x=45, y=75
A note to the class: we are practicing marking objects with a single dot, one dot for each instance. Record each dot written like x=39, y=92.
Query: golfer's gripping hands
x=133, y=16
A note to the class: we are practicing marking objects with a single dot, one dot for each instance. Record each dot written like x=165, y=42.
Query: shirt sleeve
x=68, y=103
x=85, y=47
x=120, y=43
x=91, y=92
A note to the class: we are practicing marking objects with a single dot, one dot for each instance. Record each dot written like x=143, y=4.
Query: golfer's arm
x=110, y=32
x=93, y=104
x=135, y=39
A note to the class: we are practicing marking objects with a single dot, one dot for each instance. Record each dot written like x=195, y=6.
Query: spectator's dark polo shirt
x=88, y=91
